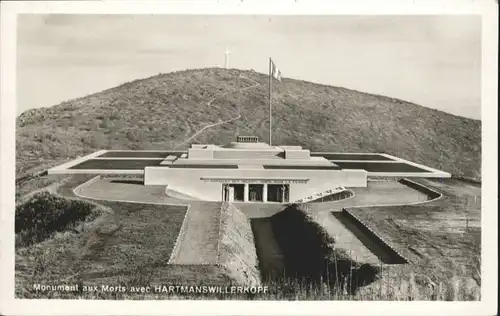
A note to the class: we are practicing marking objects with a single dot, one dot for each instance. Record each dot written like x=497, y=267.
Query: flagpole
x=270, y=110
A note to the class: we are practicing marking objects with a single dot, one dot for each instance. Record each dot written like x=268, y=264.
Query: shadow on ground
x=127, y=181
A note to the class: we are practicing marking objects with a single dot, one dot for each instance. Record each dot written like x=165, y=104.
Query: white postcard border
x=487, y=305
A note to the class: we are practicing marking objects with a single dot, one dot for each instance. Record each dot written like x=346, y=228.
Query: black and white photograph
x=238, y=157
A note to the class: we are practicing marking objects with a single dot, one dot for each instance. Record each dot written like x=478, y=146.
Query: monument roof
x=240, y=145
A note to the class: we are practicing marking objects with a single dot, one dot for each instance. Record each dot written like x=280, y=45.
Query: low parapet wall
x=65, y=167
x=335, y=195
x=431, y=194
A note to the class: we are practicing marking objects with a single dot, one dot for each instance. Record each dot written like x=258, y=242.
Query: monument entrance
x=255, y=192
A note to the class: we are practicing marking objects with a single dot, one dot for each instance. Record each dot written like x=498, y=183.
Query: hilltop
x=162, y=111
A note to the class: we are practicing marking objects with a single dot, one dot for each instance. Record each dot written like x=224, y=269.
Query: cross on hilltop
x=226, y=58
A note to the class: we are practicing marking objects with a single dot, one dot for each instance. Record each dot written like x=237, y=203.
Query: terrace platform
x=248, y=171
x=134, y=162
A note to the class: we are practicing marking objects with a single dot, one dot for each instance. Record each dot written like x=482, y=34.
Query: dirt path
x=207, y=127
x=256, y=84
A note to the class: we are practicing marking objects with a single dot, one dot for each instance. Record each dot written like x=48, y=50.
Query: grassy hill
x=161, y=111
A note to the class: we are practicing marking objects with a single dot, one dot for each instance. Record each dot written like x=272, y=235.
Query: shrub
x=132, y=135
x=44, y=214
x=105, y=123
x=115, y=116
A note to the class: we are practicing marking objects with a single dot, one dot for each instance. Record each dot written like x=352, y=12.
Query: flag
x=275, y=72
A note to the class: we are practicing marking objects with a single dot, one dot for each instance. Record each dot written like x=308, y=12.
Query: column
x=264, y=193
x=245, y=193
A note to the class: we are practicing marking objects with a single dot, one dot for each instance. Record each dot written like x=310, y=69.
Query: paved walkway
x=348, y=236
x=344, y=237
x=377, y=193
x=259, y=210
x=200, y=241
x=127, y=189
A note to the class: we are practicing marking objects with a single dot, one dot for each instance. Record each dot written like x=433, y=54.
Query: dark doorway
x=239, y=192
x=278, y=193
x=233, y=192
x=255, y=192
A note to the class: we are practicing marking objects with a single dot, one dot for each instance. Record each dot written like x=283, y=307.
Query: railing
x=318, y=196
x=247, y=139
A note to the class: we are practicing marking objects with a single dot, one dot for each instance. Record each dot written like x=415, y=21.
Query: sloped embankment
x=44, y=214
x=310, y=255
x=236, y=252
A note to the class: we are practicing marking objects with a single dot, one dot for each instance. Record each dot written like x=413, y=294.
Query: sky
x=434, y=61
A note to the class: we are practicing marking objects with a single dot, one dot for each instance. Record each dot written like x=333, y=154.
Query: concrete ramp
x=345, y=239
x=199, y=237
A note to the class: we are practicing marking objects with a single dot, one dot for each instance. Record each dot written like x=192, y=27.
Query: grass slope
x=124, y=243
x=127, y=243
x=441, y=238
x=161, y=111
x=236, y=251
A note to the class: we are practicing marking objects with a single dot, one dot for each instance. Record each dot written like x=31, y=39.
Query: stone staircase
x=321, y=195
